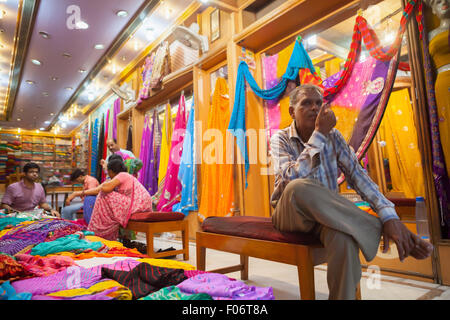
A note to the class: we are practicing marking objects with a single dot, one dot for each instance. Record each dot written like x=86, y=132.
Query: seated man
x=89, y=182
x=26, y=194
x=306, y=158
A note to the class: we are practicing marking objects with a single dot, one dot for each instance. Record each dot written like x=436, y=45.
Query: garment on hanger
x=397, y=129
x=130, y=136
x=161, y=66
x=144, y=152
x=94, y=147
x=187, y=173
x=116, y=112
x=101, y=144
x=166, y=138
x=171, y=193
x=147, y=70
x=217, y=195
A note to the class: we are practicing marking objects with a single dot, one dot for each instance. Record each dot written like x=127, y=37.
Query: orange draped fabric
x=217, y=197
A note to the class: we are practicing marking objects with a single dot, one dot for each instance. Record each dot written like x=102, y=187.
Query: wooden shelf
x=171, y=84
x=123, y=115
x=212, y=58
x=290, y=18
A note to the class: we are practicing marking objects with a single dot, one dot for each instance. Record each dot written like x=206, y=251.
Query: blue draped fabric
x=298, y=60
x=187, y=173
x=94, y=147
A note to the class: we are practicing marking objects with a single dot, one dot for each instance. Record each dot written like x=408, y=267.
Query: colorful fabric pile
x=56, y=259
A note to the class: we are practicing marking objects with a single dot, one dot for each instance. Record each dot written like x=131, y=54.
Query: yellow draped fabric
x=397, y=129
x=285, y=117
x=345, y=120
x=283, y=59
x=217, y=197
x=108, y=243
x=332, y=66
x=122, y=293
x=166, y=263
x=166, y=140
x=440, y=52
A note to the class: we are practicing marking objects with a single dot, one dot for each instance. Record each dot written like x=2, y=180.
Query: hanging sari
x=187, y=173
x=398, y=131
x=217, y=198
x=116, y=112
x=166, y=138
x=144, y=151
x=94, y=148
x=114, y=209
x=171, y=193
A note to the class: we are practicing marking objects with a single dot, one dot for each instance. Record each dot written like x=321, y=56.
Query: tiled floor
x=284, y=280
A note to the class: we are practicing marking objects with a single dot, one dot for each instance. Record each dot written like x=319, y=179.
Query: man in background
x=27, y=194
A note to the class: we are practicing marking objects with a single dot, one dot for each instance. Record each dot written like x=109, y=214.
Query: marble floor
x=284, y=280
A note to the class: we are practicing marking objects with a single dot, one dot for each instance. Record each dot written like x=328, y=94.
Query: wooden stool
x=155, y=222
x=256, y=237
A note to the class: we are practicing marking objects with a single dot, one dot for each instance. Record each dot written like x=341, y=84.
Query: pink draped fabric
x=113, y=209
x=272, y=110
x=171, y=193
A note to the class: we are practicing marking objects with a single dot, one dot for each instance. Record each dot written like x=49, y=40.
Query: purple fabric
x=71, y=278
x=97, y=296
x=171, y=193
x=21, y=237
x=153, y=172
x=22, y=198
x=116, y=112
x=220, y=287
x=143, y=155
x=370, y=106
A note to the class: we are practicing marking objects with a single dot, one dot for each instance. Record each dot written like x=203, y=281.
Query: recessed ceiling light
x=2, y=13
x=122, y=13
x=18, y=119
x=42, y=129
x=36, y=62
x=54, y=78
x=45, y=94
x=30, y=82
x=44, y=34
x=99, y=46
x=69, y=88
x=47, y=122
x=52, y=114
x=67, y=55
x=81, y=70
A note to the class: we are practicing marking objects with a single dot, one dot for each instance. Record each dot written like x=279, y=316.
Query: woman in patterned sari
x=117, y=200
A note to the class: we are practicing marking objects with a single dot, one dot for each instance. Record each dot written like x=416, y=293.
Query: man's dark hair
x=76, y=173
x=115, y=157
x=31, y=165
x=117, y=166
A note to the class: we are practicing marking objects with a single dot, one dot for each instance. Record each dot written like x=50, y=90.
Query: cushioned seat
x=159, y=222
x=157, y=216
x=256, y=228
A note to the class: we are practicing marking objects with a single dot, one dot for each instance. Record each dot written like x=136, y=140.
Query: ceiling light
x=37, y=130
x=63, y=125
x=44, y=34
x=69, y=88
x=81, y=25
x=54, y=78
x=67, y=55
x=81, y=70
x=47, y=122
x=18, y=119
x=18, y=130
x=99, y=46
x=52, y=114
x=36, y=62
x=42, y=129
x=2, y=13
x=45, y=94
x=30, y=82
x=122, y=13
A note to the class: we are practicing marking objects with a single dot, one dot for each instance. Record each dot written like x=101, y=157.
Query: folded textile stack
x=57, y=259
